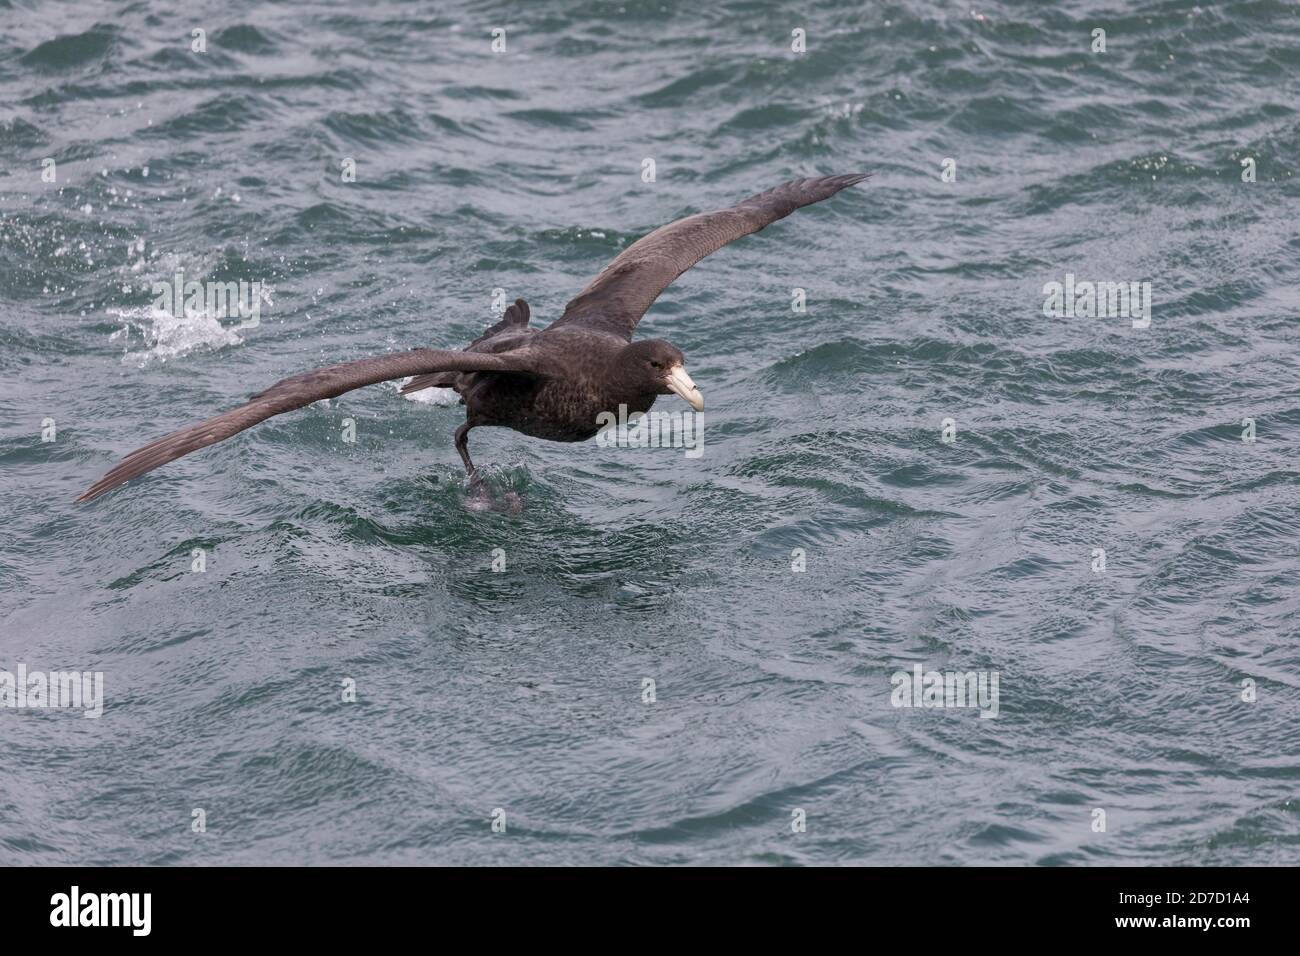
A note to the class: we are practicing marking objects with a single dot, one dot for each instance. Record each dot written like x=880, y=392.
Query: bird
x=552, y=383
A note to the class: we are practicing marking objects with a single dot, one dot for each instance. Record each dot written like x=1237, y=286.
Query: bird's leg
x=462, y=446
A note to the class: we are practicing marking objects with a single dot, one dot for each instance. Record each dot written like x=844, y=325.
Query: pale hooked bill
x=681, y=383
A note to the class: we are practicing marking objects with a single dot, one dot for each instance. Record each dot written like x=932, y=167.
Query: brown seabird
x=551, y=383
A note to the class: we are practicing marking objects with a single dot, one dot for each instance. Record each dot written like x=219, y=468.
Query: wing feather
x=617, y=298
x=301, y=390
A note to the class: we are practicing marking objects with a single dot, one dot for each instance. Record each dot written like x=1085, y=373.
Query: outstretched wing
x=302, y=390
x=617, y=298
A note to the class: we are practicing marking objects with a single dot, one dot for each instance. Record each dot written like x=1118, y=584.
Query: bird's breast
x=557, y=409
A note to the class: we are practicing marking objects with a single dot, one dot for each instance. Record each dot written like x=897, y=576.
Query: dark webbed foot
x=462, y=447
x=482, y=499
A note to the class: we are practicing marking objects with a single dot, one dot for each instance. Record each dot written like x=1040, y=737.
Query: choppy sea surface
x=1148, y=696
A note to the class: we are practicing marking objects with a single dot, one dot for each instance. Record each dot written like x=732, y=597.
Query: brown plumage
x=550, y=383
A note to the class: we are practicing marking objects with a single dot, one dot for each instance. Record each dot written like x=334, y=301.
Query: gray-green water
x=1119, y=690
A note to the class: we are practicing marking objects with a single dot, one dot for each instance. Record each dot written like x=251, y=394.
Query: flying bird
x=549, y=383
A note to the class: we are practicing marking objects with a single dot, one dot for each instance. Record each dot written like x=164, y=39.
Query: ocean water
x=1068, y=503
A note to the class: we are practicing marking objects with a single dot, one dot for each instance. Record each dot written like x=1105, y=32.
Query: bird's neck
x=621, y=392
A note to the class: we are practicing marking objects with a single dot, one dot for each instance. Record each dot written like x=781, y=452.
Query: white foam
x=166, y=336
x=161, y=334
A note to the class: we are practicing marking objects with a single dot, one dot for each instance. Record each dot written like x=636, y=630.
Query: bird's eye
x=656, y=365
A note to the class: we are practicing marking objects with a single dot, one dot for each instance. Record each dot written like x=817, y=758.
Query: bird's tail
x=431, y=380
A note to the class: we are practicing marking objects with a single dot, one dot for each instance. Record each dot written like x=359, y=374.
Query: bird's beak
x=681, y=383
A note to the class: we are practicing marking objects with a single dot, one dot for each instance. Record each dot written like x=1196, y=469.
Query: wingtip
x=100, y=488
x=830, y=185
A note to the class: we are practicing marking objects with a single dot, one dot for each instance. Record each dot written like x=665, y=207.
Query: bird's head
x=655, y=366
